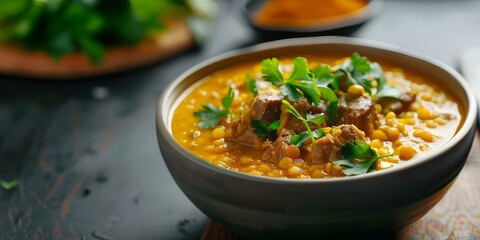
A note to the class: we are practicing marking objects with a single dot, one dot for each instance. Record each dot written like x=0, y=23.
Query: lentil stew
x=314, y=117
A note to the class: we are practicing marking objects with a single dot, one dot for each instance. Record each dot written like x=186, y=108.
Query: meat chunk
x=359, y=111
x=324, y=150
x=327, y=148
x=276, y=150
x=265, y=108
x=243, y=132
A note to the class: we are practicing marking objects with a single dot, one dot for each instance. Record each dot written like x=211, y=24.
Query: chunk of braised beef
x=274, y=151
x=327, y=148
x=324, y=150
x=266, y=108
x=397, y=105
x=357, y=110
x=243, y=132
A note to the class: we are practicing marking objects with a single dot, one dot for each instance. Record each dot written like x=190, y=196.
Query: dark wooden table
x=86, y=157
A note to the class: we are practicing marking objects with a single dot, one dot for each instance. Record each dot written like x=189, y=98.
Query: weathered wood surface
x=456, y=216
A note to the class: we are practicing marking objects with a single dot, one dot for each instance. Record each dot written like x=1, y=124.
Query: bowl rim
x=369, y=11
x=163, y=125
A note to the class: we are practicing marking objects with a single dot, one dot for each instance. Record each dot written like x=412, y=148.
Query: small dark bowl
x=342, y=27
x=359, y=206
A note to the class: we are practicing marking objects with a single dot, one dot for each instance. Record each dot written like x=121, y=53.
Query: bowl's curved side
x=379, y=201
x=262, y=209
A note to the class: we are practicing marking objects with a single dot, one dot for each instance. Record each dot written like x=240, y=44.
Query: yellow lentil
x=218, y=133
x=356, y=90
x=380, y=135
x=393, y=133
x=285, y=162
x=406, y=152
x=376, y=143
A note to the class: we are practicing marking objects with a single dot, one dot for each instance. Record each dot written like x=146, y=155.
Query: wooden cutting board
x=18, y=62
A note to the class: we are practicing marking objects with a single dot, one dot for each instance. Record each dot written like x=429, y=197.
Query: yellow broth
x=430, y=121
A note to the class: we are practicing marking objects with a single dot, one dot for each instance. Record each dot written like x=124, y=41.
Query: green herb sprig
x=69, y=26
x=324, y=78
x=365, y=158
x=302, y=137
x=8, y=185
x=359, y=70
x=211, y=115
x=261, y=130
x=309, y=119
x=303, y=83
x=299, y=84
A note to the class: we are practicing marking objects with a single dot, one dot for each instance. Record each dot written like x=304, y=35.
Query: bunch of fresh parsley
x=60, y=27
x=359, y=70
x=302, y=83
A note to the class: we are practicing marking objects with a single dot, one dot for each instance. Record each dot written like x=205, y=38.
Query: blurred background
x=79, y=157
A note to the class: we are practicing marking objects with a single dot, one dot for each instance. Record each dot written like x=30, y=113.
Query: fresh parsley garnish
x=211, y=115
x=359, y=158
x=270, y=71
x=8, y=185
x=316, y=119
x=383, y=89
x=261, y=130
x=299, y=139
x=252, y=85
x=324, y=78
x=300, y=83
x=359, y=70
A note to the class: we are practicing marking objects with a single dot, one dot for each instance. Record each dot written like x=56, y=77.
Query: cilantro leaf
x=360, y=158
x=323, y=75
x=300, y=84
x=227, y=100
x=261, y=130
x=389, y=91
x=299, y=139
x=329, y=96
x=270, y=71
x=356, y=168
x=360, y=150
x=300, y=69
x=8, y=185
x=362, y=72
x=308, y=88
x=273, y=126
x=252, y=85
x=290, y=91
x=360, y=63
x=211, y=115
x=383, y=89
x=316, y=119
